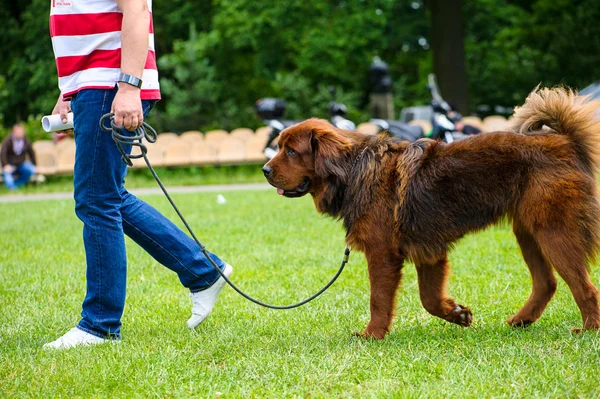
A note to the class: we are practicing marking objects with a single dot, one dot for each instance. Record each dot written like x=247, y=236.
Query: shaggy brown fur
x=402, y=200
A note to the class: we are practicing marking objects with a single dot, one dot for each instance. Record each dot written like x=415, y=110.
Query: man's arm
x=127, y=104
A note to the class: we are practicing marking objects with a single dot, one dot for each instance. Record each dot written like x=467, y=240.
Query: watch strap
x=130, y=80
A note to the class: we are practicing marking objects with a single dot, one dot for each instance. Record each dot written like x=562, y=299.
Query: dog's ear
x=330, y=151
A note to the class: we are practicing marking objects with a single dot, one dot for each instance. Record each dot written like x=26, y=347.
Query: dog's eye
x=291, y=152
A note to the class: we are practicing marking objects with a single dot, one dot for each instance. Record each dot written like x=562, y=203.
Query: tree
x=257, y=48
x=216, y=58
x=447, y=41
x=28, y=80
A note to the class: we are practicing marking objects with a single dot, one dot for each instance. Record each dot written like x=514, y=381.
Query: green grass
x=282, y=251
x=178, y=176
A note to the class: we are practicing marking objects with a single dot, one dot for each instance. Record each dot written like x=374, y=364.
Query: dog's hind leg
x=384, y=277
x=433, y=277
x=543, y=280
x=566, y=253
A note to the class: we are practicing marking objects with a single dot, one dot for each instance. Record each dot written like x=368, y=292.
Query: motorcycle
x=400, y=130
x=338, y=113
x=444, y=120
x=272, y=111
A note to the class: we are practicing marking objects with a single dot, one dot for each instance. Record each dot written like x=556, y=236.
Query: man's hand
x=8, y=168
x=127, y=107
x=62, y=108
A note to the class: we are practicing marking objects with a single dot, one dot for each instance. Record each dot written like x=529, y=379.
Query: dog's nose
x=267, y=170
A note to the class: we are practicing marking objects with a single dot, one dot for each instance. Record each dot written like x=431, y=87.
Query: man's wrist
x=127, y=88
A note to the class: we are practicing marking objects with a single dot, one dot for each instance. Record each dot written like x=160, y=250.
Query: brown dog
x=401, y=200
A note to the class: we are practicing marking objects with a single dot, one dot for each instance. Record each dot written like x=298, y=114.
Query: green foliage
x=513, y=47
x=216, y=58
x=258, y=49
x=28, y=82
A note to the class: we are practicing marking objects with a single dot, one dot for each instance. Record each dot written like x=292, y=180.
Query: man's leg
x=98, y=174
x=25, y=171
x=9, y=180
x=174, y=249
x=168, y=244
x=101, y=202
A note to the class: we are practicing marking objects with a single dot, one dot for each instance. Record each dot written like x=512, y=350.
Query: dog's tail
x=563, y=111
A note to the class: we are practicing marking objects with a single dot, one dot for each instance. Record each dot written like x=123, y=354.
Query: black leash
x=147, y=132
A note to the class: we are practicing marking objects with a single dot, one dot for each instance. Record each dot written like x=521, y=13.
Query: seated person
x=16, y=170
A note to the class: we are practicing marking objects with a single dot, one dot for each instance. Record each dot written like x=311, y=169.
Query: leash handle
x=123, y=137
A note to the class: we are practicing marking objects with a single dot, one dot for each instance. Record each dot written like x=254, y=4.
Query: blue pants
x=108, y=212
x=23, y=173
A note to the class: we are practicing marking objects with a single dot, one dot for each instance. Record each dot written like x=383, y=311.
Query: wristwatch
x=130, y=80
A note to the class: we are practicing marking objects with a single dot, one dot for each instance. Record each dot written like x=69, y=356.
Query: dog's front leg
x=433, y=277
x=384, y=275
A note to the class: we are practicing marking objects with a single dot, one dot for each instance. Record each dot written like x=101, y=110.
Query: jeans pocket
x=147, y=106
x=73, y=102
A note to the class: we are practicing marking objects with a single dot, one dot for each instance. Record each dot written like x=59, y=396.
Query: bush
x=217, y=58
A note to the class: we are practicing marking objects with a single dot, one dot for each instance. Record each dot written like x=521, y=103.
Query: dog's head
x=309, y=153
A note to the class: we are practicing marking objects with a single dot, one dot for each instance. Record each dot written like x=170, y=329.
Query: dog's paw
x=371, y=334
x=461, y=315
x=519, y=322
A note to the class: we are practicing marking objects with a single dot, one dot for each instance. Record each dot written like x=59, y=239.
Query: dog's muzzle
x=297, y=192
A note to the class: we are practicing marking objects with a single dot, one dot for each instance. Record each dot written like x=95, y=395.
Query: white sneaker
x=204, y=301
x=75, y=337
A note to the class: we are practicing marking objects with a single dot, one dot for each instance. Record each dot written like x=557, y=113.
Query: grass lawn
x=282, y=251
x=178, y=176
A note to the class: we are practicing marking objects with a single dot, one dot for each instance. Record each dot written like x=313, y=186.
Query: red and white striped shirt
x=86, y=37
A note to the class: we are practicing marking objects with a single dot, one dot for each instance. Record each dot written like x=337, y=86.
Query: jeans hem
x=222, y=268
x=113, y=337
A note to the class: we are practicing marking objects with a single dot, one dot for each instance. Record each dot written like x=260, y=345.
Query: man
x=16, y=170
x=381, y=101
x=106, y=63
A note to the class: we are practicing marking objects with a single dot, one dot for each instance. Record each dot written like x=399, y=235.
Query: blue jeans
x=108, y=212
x=23, y=173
